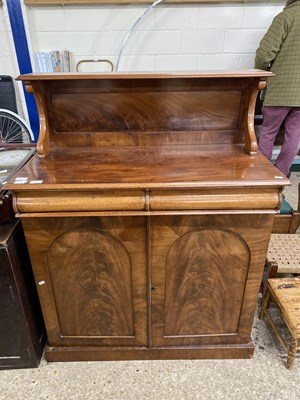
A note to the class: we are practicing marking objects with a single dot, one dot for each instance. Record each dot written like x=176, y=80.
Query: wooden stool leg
x=273, y=269
x=265, y=304
x=292, y=353
x=270, y=271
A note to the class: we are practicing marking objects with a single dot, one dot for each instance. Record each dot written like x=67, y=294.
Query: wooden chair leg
x=271, y=268
x=292, y=353
x=265, y=304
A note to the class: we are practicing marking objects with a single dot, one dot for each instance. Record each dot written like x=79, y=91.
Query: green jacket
x=279, y=51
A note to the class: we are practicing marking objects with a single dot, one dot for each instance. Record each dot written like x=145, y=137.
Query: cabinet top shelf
x=147, y=75
x=146, y=109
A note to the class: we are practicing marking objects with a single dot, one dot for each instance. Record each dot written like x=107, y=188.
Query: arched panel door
x=205, y=284
x=95, y=282
x=91, y=275
x=197, y=297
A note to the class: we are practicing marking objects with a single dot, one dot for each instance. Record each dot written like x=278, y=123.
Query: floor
x=262, y=377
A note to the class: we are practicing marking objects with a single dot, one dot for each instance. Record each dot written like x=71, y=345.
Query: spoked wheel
x=14, y=129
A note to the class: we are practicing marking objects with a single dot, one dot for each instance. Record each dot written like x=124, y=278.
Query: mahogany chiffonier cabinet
x=147, y=213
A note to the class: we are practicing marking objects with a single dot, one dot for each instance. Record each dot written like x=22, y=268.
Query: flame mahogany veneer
x=147, y=212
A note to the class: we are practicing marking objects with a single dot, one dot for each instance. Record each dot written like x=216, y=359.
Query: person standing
x=279, y=52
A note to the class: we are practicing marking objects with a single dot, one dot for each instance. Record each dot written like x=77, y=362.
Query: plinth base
x=172, y=353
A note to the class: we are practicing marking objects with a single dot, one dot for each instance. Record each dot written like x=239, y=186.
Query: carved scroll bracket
x=251, y=146
x=43, y=139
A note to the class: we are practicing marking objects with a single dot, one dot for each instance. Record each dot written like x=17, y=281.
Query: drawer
x=68, y=201
x=214, y=199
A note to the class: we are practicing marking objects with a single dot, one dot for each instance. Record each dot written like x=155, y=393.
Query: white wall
x=7, y=62
x=169, y=37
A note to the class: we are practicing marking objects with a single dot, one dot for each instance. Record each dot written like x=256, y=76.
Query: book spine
x=65, y=56
x=52, y=61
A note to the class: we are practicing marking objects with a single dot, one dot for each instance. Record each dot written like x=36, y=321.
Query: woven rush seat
x=284, y=254
x=285, y=294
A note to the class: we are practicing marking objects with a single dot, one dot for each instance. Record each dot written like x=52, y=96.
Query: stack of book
x=52, y=61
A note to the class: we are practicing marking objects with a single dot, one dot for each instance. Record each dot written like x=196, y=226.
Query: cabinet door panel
x=91, y=275
x=206, y=272
x=204, y=283
x=97, y=279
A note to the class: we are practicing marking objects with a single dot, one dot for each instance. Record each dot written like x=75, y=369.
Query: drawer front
x=146, y=201
x=216, y=199
x=68, y=201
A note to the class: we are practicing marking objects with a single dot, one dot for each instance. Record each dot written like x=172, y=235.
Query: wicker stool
x=283, y=256
x=285, y=294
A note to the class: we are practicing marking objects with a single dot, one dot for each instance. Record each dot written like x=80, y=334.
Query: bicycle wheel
x=14, y=129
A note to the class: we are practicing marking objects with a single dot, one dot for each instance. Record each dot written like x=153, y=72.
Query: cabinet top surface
x=142, y=75
x=132, y=167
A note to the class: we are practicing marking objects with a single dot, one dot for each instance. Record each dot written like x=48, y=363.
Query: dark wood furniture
x=22, y=331
x=11, y=160
x=147, y=213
